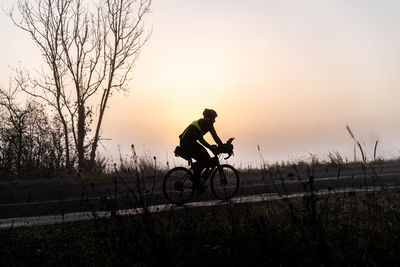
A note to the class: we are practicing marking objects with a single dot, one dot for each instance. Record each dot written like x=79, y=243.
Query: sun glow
x=286, y=76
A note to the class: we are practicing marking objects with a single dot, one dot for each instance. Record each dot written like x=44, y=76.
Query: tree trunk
x=19, y=153
x=103, y=106
x=81, y=136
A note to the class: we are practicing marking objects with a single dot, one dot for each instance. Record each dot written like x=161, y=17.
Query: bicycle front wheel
x=224, y=182
x=178, y=185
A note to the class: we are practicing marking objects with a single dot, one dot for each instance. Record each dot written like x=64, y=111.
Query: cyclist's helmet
x=209, y=114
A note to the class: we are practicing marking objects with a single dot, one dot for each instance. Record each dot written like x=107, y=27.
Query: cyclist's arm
x=205, y=143
x=215, y=136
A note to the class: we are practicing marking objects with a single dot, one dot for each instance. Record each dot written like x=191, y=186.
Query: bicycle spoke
x=178, y=186
x=225, y=182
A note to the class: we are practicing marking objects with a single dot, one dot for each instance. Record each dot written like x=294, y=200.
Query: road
x=122, y=192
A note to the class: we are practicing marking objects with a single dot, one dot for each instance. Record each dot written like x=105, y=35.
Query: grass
x=345, y=229
x=128, y=167
x=333, y=230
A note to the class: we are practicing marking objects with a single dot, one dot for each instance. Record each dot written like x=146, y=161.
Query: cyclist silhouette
x=180, y=183
x=192, y=142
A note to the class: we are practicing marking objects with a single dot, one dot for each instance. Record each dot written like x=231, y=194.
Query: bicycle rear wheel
x=178, y=185
x=224, y=182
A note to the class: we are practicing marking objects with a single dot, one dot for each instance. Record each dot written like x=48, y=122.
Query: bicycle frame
x=212, y=169
x=223, y=178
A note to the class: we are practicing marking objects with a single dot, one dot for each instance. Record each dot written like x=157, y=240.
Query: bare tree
x=123, y=43
x=42, y=20
x=16, y=117
x=30, y=140
x=88, y=49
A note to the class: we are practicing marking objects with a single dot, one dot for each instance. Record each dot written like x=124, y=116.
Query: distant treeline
x=31, y=141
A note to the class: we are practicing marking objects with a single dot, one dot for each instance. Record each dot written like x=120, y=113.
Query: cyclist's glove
x=214, y=149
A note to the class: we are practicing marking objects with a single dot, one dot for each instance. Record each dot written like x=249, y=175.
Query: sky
x=284, y=76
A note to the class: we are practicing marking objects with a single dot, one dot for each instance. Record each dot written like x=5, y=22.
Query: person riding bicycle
x=192, y=142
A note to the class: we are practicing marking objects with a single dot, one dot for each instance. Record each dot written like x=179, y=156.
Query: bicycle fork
x=222, y=176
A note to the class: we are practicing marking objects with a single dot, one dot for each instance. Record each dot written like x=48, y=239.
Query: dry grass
x=334, y=230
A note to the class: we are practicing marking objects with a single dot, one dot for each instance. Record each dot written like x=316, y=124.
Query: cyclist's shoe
x=201, y=189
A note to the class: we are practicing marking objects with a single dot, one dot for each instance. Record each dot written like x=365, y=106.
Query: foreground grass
x=334, y=230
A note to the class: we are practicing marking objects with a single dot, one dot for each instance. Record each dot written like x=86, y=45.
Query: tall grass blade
x=362, y=152
x=376, y=145
x=350, y=132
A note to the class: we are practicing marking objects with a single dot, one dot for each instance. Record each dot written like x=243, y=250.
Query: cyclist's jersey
x=196, y=130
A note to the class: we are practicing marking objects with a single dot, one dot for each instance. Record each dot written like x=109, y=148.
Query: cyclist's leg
x=196, y=167
x=188, y=149
x=200, y=154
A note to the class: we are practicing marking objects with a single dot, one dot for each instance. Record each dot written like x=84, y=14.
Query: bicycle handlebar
x=227, y=148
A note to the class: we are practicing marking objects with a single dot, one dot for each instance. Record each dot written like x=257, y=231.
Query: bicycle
x=179, y=185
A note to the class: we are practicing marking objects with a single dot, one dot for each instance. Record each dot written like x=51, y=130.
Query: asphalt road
x=123, y=192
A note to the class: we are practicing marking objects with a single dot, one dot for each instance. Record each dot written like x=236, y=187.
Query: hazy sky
x=285, y=75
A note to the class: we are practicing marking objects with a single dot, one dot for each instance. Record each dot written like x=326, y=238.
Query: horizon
x=287, y=77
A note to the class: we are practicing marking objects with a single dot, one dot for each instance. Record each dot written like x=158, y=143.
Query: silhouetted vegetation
x=88, y=51
x=359, y=227
x=30, y=140
x=333, y=230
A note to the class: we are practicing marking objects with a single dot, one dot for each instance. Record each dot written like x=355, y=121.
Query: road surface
x=122, y=193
